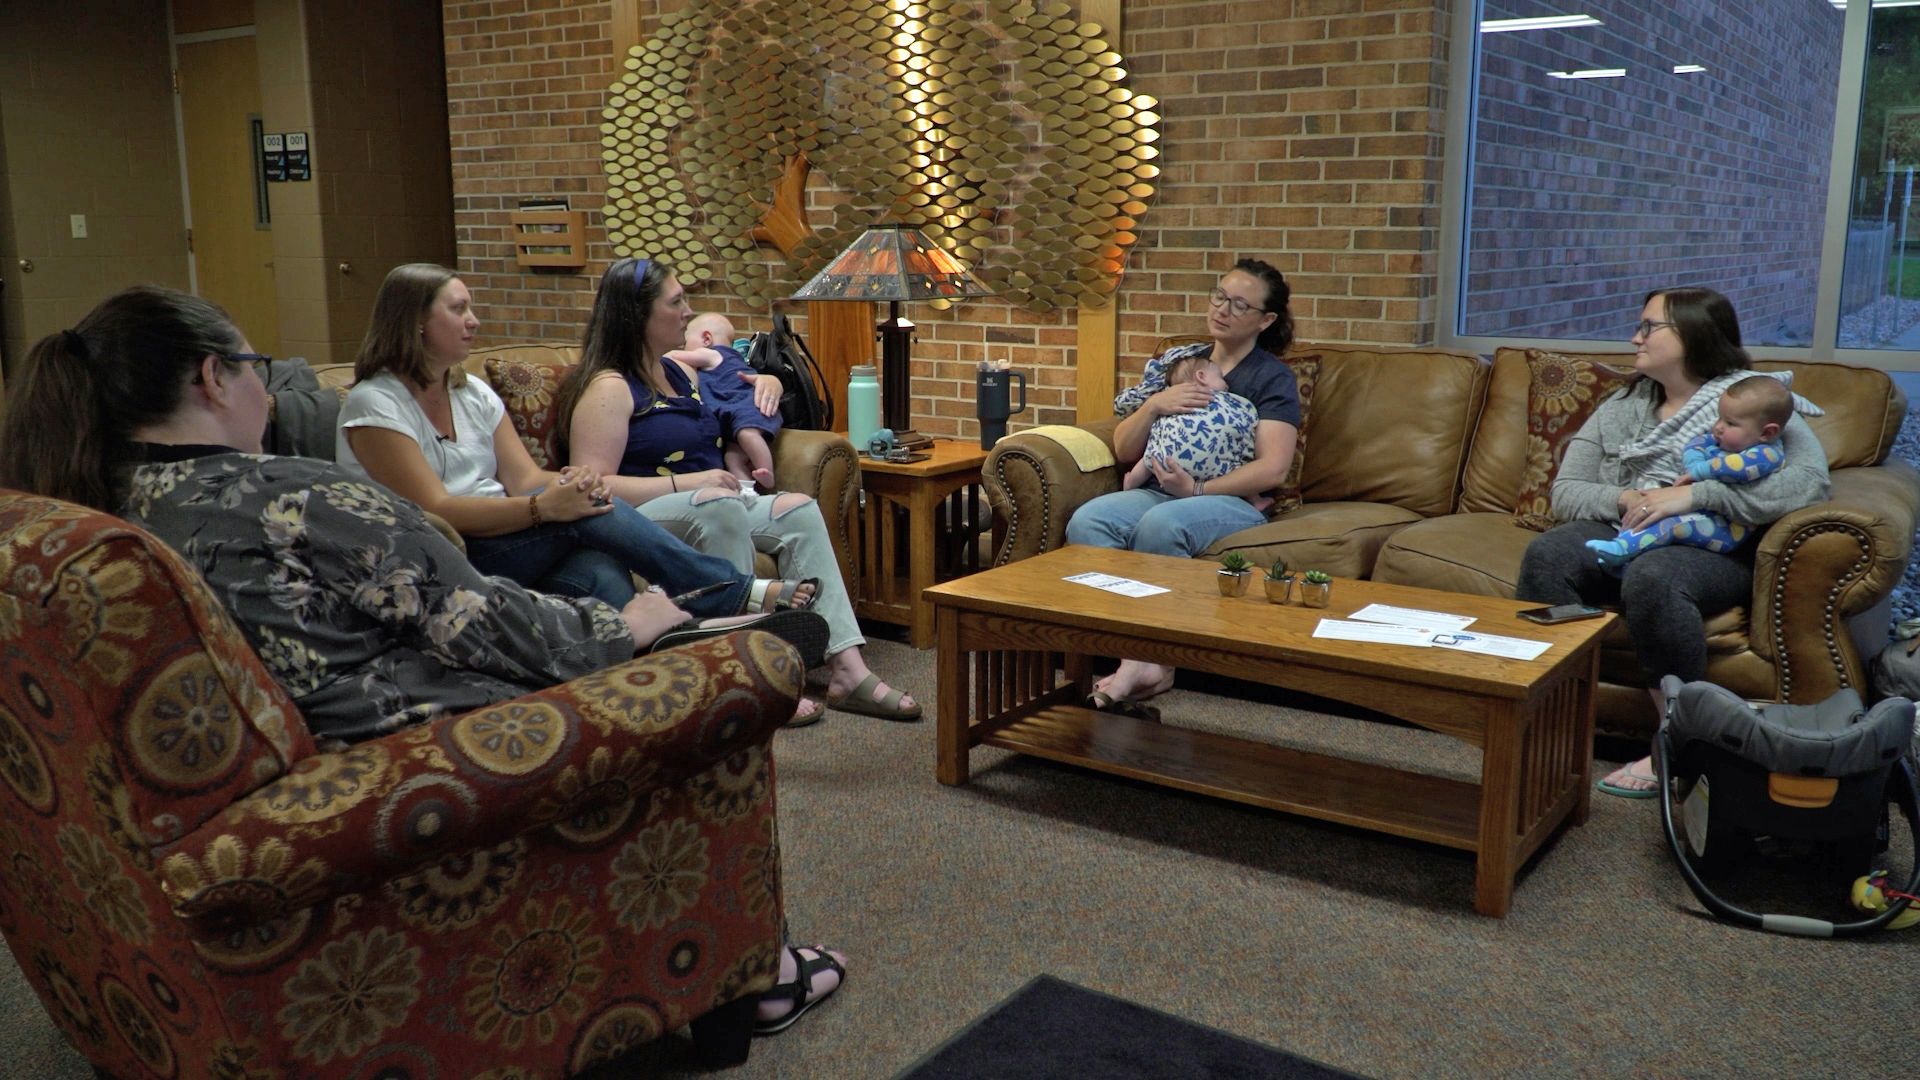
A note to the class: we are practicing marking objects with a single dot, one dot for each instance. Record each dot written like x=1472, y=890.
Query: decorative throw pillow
x=1562, y=393
x=529, y=387
x=1306, y=372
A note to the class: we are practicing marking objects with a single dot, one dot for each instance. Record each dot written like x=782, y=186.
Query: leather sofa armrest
x=344, y=821
x=1823, y=564
x=823, y=464
x=1034, y=485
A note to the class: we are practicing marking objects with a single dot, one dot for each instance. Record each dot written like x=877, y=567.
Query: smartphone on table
x=1559, y=613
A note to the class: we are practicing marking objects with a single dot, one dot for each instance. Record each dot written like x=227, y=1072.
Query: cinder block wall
x=1307, y=132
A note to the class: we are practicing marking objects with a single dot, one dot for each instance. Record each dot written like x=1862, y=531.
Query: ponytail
x=69, y=427
x=1278, y=334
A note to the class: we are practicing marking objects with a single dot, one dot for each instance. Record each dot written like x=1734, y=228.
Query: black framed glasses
x=1234, y=304
x=262, y=363
x=1647, y=326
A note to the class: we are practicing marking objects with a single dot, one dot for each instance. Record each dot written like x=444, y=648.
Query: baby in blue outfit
x=1743, y=446
x=1208, y=443
x=746, y=429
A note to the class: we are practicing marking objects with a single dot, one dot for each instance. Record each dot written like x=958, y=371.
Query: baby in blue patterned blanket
x=1743, y=446
x=1208, y=443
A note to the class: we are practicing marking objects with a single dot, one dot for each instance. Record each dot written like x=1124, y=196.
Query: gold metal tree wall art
x=1003, y=130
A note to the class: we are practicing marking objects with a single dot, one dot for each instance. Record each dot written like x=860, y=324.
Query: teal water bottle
x=863, y=404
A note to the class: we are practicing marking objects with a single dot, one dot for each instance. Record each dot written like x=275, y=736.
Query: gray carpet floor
x=1358, y=950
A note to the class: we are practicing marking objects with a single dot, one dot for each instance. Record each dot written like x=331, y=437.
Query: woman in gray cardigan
x=1620, y=471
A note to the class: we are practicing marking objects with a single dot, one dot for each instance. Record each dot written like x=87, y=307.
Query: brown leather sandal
x=863, y=701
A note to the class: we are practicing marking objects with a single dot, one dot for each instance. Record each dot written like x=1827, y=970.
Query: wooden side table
x=940, y=500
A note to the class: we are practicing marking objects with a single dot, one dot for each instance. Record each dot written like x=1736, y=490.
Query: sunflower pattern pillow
x=529, y=387
x=1562, y=393
x=1306, y=372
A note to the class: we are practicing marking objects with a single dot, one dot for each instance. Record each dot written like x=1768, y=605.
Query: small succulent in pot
x=1279, y=583
x=1316, y=588
x=1234, y=573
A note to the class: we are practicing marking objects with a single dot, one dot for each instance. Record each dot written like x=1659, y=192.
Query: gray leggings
x=1665, y=594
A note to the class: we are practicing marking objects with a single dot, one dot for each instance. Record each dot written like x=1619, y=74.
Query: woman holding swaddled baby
x=1172, y=512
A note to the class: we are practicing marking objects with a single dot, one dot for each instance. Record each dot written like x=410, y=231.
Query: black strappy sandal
x=1105, y=702
x=799, y=990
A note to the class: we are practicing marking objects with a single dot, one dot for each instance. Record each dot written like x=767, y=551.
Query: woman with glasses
x=1623, y=469
x=417, y=423
x=1173, y=513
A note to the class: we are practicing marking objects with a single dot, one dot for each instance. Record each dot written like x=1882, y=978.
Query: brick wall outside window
x=1589, y=193
x=1306, y=132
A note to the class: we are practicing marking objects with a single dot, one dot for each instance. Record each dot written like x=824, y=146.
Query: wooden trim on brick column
x=1096, y=353
x=626, y=30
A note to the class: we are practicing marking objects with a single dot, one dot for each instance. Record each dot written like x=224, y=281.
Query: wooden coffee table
x=1005, y=634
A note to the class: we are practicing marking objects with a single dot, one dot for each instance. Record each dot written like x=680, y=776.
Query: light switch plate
x=79, y=223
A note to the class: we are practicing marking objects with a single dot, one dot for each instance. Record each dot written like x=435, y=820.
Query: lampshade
x=892, y=262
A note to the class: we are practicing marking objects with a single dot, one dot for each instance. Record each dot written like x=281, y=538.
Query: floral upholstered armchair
x=194, y=890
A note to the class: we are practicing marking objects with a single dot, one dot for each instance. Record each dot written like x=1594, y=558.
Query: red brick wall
x=526, y=80
x=1306, y=132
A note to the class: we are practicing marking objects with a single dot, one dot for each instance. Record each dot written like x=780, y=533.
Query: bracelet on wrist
x=533, y=507
x=675, y=481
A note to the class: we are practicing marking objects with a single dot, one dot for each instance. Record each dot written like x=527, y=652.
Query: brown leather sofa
x=1414, y=461
x=817, y=463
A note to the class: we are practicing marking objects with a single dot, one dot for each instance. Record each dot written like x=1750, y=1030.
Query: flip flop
x=1107, y=703
x=862, y=701
x=804, y=630
x=800, y=991
x=1627, y=792
x=1149, y=693
x=803, y=716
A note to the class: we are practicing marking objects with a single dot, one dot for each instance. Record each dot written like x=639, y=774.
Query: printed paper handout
x=1492, y=644
x=1343, y=630
x=1112, y=584
x=1401, y=616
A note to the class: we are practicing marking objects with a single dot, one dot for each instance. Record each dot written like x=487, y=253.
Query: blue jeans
x=562, y=554
x=1150, y=520
x=797, y=540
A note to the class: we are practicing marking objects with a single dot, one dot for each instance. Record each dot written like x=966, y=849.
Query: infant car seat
x=1822, y=774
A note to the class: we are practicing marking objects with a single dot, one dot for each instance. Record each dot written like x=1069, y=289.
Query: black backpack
x=804, y=402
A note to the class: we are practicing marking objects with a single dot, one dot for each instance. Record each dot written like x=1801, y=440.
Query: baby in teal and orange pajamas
x=1743, y=446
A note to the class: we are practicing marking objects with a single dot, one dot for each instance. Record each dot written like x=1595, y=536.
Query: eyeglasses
x=1647, y=326
x=1234, y=304
x=262, y=363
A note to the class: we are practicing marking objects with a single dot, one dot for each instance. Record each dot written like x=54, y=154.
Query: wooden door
x=232, y=245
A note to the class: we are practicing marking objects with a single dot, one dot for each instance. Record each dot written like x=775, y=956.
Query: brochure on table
x=1382, y=624
x=1437, y=629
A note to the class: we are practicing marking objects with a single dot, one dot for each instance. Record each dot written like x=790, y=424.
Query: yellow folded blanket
x=1089, y=453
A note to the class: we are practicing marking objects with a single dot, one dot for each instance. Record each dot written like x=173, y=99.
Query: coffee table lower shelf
x=1434, y=809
